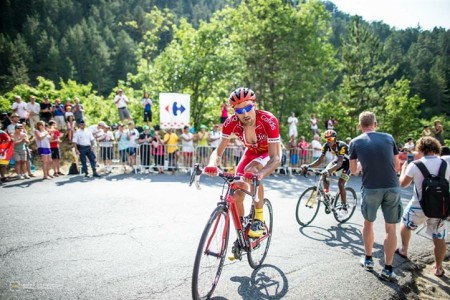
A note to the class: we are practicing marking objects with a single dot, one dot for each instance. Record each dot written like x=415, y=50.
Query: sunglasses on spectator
x=242, y=110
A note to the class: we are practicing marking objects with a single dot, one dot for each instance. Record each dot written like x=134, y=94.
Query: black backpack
x=73, y=170
x=435, y=200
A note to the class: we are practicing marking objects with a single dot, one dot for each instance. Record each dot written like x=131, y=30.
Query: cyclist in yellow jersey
x=340, y=165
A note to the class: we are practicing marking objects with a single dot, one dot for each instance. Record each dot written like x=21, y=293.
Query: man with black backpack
x=430, y=202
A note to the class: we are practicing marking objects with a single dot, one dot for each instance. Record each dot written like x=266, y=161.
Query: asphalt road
x=135, y=237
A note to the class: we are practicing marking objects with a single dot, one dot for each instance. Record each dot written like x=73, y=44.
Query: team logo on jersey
x=269, y=121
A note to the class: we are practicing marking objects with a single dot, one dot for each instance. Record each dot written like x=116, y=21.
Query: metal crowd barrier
x=148, y=160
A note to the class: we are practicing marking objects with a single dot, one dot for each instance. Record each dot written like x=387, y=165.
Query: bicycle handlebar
x=228, y=177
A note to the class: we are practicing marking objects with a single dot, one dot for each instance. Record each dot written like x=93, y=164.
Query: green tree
x=400, y=115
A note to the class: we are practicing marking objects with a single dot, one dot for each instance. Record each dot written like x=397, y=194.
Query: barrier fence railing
x=147, y=158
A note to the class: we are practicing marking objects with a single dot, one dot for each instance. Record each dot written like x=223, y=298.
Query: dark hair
x=445, y=151
x=428, y=145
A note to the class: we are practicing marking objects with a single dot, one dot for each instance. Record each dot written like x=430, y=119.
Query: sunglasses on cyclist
x=242, y=110
x=330, y=139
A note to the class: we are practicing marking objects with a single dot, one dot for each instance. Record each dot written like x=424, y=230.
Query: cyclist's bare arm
x=317, y=162
x=216, y=156
x=339, y=163
x=274, y=160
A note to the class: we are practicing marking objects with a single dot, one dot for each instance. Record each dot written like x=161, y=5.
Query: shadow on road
x=267, y=282
x=344, y=236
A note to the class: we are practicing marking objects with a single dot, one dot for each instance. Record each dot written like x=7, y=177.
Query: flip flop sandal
x=401, y=255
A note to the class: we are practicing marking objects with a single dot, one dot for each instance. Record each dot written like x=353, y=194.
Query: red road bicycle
x=212, y=249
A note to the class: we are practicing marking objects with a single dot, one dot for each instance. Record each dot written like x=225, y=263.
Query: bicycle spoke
x=352, y=202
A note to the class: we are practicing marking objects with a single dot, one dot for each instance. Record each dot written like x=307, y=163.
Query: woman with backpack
x=430, y=200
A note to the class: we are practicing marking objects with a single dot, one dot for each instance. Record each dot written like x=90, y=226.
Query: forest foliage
x=301, y=56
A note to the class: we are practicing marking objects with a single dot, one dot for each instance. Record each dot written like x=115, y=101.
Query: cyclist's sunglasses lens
x=240, y=111
x=330, y=139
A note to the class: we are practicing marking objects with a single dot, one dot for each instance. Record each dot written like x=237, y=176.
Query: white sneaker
x=19, y=177
x=26, y=176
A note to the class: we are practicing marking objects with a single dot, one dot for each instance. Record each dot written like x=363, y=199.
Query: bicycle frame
x=320, y=190
x=228, y=201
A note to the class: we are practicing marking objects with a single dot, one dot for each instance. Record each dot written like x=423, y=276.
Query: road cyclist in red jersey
x=259, y=132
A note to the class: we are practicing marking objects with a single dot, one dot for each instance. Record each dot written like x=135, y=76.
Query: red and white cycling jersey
x=266, y=130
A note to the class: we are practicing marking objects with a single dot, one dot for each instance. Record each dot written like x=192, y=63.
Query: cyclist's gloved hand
x=248, y=176
x=211, y=170
x=305, y=167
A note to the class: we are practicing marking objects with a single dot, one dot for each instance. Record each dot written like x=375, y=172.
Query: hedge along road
x=135, y=237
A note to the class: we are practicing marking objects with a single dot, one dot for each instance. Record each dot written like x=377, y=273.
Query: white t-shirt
x=293, y=121
x=313, y=123
x=215, y=137
x=106, y=139
x=34, y=109
x=22, y=109
x=187, y=146
x=432, y=163
x=317, y=148
x=134, y=136
x=122, y=101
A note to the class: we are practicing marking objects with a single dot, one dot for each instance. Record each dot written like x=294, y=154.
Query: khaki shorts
x=388, y=198
x=20, y=156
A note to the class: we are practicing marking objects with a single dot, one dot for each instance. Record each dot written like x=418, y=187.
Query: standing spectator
x=78, y=111
x=34, y=108
x=313, y=123
x=293, y=153
x=238, y=149
x=97, y=131
x=378, y=155
x=20, y=138
x=42, y=137
x=331, y=123
x=438, y=131
x=224, y=111
x=55, y=139
x=202, y=146
x=414, y=216
x=147, y=103
x=68, y=112
x=409, y=145
x=132, y=136
x=70, y=128
x=5, y=120
x=14, y=121
x=106, y=147
x=145, y=142
x=59, y=113
x=303, y=149
x=214, y=137
x=84, y=141
x=293, y=122
x=28, y=151
x=187, y=146
x=123, y=145
x=6, y=150
x=46, y=110
x=20, y=108
x=68, y=105
x=171, y=140
x=121, y=102
x=316, y=147
x=427, y=131
x=158, y=151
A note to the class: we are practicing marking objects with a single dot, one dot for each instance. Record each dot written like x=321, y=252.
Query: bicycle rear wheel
x=352, y=202
x=307, y=206
x=211, y=253
x=260, y=246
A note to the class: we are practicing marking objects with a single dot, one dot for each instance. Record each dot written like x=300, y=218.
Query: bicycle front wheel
x=307, y=206
x=260, y=246
x=352, y=202
x=211, y=253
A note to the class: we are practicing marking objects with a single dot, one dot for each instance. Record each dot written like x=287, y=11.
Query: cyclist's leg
x=343, y=174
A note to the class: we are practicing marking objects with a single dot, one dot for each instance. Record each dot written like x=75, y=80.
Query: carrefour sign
x=174, y=110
